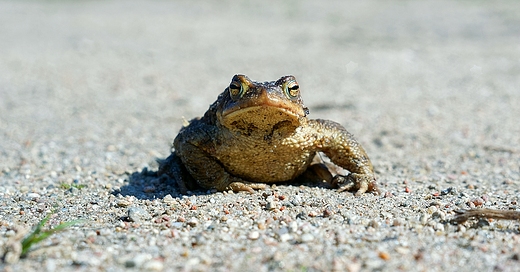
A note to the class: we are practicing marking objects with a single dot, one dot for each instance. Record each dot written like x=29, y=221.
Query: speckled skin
x=258, y=133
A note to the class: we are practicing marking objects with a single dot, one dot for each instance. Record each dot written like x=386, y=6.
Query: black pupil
x=295, y=87
x=234, y=86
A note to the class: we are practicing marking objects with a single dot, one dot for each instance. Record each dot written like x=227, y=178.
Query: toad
x=258, y=133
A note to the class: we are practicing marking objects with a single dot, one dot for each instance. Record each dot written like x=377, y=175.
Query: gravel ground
x=93, y=92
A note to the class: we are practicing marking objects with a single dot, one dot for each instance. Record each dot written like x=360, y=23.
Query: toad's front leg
x=344, y=151
x=194, y=146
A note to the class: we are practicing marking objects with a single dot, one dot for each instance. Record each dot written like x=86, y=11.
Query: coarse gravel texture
x=92, y=92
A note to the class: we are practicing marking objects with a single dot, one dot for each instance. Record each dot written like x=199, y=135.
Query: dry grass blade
x=464, y=215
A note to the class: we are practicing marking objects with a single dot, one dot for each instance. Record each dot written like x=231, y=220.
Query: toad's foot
x=360, y=183
x=238, y=186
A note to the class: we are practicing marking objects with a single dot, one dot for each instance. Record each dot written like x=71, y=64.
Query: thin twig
x=464, y=215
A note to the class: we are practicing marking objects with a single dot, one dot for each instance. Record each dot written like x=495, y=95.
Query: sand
x=91, y=93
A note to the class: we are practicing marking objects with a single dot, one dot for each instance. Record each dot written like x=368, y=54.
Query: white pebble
x=254, y=235
x=306, y=237
x=193, y=222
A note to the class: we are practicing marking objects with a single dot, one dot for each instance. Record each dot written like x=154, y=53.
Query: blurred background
x=89, y=75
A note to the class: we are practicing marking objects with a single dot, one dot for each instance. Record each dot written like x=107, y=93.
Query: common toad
x=258, y=133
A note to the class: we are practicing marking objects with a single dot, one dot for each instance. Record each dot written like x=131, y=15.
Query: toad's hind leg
x=209, y=173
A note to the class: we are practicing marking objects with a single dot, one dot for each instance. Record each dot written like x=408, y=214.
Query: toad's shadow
x=147, y=185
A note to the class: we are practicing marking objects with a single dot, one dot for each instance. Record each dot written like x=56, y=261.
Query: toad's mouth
x=262, y=119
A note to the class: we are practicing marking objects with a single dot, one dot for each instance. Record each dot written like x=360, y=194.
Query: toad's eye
x=292, y=89
x=236, y=90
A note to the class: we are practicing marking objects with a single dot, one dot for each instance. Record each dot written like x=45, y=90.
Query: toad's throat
x=262, y=120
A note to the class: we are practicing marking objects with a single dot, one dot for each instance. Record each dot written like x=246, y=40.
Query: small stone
x=402, y=250
x=105, y=232
x=439, y=214
x=424, y=218
x=307, y=237
x=123, y=203
x=73, y=191
x=253, y=235
x=327, y=213
x=271, y=205
x=432, y=209
x=168, y=199
x=153, y=265
x=176, y=225
x=285, y=237
x=140, y=259
x=296, y=200
x=482, y=223
x=398, y=222
x=384, y=255
x=293, y=226
x=193, y=222
x=12, y=252
x=198, y=240
x=50, y=265
x=439, y=227
x=374, y=224
x=33, y=196
x=136, y=214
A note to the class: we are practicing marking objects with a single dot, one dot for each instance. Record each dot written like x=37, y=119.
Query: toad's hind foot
x=250, y=187
x=358, y=183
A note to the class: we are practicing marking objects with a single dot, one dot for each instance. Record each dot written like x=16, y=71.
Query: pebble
x=374, y=224
x=33, y=196
x=432, y=209
x=306, y=237
x=153, y=265
x=136, y=214
x=285, y=237
x=193, y=222
x=461, y=228
x=168, y=199
x=439, y=214
x=439, y=227
x=123, y=203
x=140, y=259
x=424, y=218
x=105, y=232
x=50, y=265
x=254, y=235
x=296, y=200
x=177, y=225
x=271, y=205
